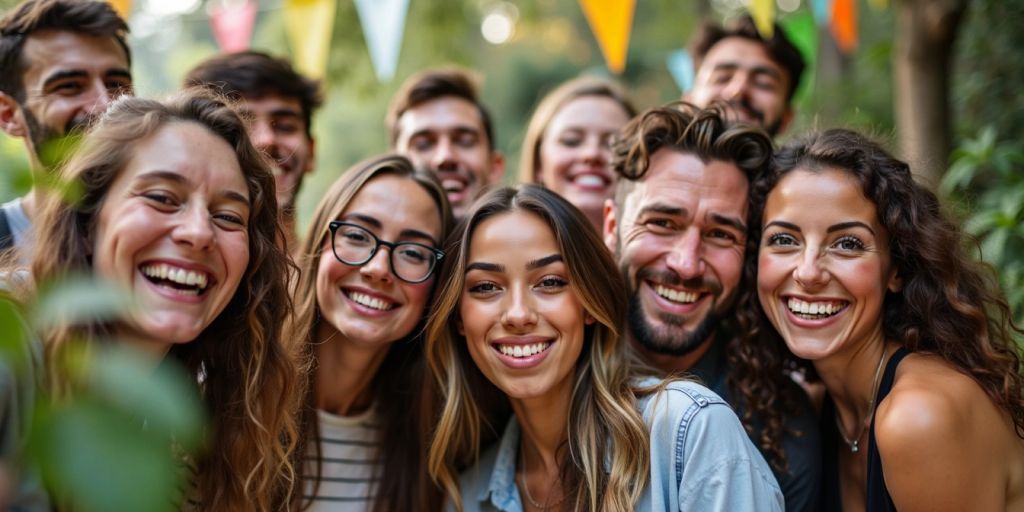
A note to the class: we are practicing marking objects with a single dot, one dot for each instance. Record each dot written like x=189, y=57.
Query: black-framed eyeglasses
x=410, y=261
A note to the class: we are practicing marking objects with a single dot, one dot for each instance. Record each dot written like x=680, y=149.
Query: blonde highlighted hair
x=242, y=370
x=604, y=425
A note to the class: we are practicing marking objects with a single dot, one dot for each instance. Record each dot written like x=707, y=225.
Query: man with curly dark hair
x=678, y=228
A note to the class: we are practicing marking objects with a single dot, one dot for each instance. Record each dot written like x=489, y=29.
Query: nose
x=262, y=134
x=810, y=272
x=102, y=97
x=738, y=86
x=686, y=257
x=195, y=229
x=444, y=155
x=519, y=311
x=379, y=266
x=594, y=150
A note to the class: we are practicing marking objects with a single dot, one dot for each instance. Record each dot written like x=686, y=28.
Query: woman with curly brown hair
x=177, y=207
x=529, y=319
x=862, y=276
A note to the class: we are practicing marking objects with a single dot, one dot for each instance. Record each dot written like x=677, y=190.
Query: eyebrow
x=486, y=267
x=664, y=209
x=543, y=262
x=835, y=227
x=729, y=221
x=403, y=234
x=79, y=73
x=181, y=180
x=462, y=128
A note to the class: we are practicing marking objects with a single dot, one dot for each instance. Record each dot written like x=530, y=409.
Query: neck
x=544, y=424
x=30, y=203
x=669, y=363
x=150, y=349
x=850, y=377
x=344, y=372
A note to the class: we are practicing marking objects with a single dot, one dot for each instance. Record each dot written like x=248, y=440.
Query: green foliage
x=986, y=178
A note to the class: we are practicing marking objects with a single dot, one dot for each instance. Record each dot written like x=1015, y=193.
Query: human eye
x=68, y=87
x=466, y=139
x=722, y=236
x=571, y=139
x=118, y=87
x=354, y=235
x=552, y=283
x=413, y=253
x=783, y=240
x=160, y=198
x=721, y=77
x=483, y=288
x=421, y=143
x=765, y=82
x=230, y=220
x=285, y=126
x=849, y=243
x=661, y=225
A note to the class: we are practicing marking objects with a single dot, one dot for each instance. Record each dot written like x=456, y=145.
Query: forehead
x=740, y=51
x=590, y=111
x=397, y=202
x=268, y=104
x=441, y=114
x=47, y=51
x=193, y=151
x=828, y=195
x=679, y=179
x=527, y=233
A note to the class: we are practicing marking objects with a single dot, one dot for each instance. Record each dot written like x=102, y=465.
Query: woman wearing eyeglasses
x=367, y=273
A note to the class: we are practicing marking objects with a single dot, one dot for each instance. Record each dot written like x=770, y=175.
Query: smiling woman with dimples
x=529, y=318
x=367, y=273
x=567, y=147
x=178, y=208
x=867, y=282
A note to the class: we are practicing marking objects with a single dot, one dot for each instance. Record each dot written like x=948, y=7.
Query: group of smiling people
x=396, y=360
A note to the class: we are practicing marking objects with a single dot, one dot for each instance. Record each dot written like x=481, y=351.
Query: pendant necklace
x=854, y=443
x=526, y=488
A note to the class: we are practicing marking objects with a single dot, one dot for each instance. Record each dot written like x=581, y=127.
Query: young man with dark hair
x=437, y=120
x=757, y=77
x=279, y=104
x=678, y=228
x=61, y=64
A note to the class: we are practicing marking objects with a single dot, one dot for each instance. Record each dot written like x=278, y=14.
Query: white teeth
x=370, y=302
x=453, y=185
x=814, y=308
x=589, y=180
x=676, y=296
x=523, y=350
x=177, y=275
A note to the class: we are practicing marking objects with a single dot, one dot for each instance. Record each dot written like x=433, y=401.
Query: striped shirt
x=350, y=463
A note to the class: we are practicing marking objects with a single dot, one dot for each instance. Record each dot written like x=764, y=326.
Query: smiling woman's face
x=522, y=320
x=173, y=229
x=368, y=304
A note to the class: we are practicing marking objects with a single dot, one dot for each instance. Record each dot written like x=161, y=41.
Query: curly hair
x=396, y=387
x=767, y=392
x=245, y=376
x=949, y=305
x=605, y=429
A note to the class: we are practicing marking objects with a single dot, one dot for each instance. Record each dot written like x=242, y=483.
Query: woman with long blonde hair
x=178, y=208
x=528, y=320
x=367, y=273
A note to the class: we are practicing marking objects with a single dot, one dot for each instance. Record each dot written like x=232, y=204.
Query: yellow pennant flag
x=308, y=24
x=844, y=24
x=123, y=7
x=611, y=21
x=763, y=13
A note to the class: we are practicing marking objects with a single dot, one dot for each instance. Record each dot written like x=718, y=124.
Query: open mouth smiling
x=177, y=279
x=370, y=302
x=816, y=310
x=677, y=296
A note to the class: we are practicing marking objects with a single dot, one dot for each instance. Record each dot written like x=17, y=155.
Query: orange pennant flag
x=308, y=24
x=763, y=13
x=123, y=7
x=611, y=21
x=844, y=24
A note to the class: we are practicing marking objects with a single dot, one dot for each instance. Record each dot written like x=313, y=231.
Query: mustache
x=743, y=104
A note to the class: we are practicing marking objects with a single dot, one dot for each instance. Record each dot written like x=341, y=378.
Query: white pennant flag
x=383, y=23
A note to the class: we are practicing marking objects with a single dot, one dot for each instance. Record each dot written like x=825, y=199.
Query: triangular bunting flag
x=822, y=10
x=844, y=24
x=232, y=24
x=383, y=24
x=308, y=24
x=123, y=7
x=801, y=29
x=611, y=21
x=763, y=13
x=680, y=66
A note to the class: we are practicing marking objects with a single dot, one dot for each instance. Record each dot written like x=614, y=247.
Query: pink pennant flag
x=232, y=23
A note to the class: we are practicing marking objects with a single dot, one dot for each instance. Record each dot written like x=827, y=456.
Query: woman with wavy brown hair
x=367, y=274
x=528, y=319
x=865, y=280
x=178, y=208
x=567, y=147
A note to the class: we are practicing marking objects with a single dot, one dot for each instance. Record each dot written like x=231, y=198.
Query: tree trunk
x=922, y=53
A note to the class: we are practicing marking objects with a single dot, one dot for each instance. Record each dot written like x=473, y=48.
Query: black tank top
x=878, y=499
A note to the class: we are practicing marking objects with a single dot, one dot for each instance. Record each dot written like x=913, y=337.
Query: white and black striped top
x=349, y=448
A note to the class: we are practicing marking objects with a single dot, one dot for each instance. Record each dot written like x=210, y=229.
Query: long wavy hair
x=766, y=390
x=580, y=87
x=949, y=305
x=244, y=375
x=603, y=425
x=397, y=385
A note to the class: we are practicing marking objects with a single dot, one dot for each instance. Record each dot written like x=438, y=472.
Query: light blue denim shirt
x=701, y=460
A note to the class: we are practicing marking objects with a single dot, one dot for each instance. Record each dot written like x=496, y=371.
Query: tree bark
x=923, y=53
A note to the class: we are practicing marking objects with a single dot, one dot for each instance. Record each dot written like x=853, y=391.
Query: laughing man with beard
x=677, y=226
x=437, y=121
x=278, y=104
x=756, y=77
x=62, y=62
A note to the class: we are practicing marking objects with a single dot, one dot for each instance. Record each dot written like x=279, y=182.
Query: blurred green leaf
x=13, y=335
x=79, y=299
x=993, y=244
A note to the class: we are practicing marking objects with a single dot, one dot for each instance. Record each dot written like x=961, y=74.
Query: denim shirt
x=701, y=460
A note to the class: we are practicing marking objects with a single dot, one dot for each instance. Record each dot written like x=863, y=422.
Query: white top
x=350, y=463
x=21, y=228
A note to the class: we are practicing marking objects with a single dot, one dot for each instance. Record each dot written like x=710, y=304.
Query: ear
x=460, y=327
x=588, y=319
x=311, y=161
x=895, y=284
x=11, y=119
x=610, y=226
x=787, y=118
x=497, y=167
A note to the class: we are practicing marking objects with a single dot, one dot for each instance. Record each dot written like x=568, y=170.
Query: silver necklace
x=526, y=488
x=854, y=444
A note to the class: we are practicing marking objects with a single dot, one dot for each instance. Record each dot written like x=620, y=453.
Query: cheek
x=727, y=264
x=863, y=279
x=416, y=296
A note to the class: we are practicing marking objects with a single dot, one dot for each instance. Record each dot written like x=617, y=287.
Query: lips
x=815, y=310
x=176, y=278
x=522, y=352
x=591, y=179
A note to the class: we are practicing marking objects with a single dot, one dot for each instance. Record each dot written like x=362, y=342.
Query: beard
x=672, y=337
x=49, y=142
x=744, y=105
